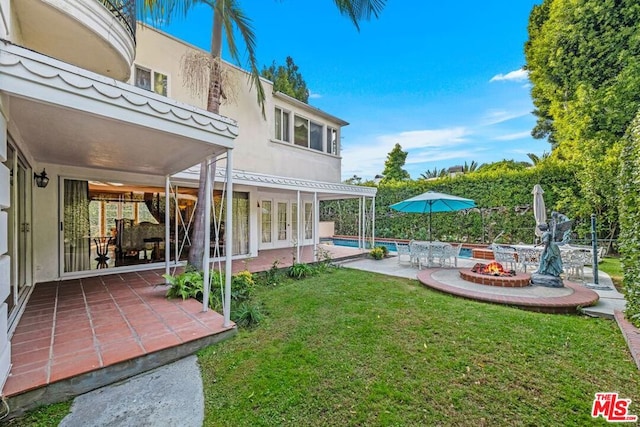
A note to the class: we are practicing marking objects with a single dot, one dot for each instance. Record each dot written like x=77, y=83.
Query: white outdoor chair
x=505, y=255
x=441, y=253
x=403, y=250
x=451, y=254
x=529, y=257
x=573, y=262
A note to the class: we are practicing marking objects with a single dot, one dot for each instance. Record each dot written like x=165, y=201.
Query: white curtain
x=240, y=223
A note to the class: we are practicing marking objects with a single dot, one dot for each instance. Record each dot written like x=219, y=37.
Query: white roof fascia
x=311, y=108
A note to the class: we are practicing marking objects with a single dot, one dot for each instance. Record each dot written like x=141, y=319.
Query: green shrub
x=271, y=277
x=190, y=284
x=247, y=314
x=299, y=271
x=377, y=253
x=242, y=286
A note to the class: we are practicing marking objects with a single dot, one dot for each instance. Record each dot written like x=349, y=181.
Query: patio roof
x=69, y=116
x=325, y=190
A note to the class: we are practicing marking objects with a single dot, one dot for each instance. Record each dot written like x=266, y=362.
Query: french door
x=18, y=232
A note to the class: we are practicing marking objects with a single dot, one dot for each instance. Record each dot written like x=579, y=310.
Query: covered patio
x=80, y=334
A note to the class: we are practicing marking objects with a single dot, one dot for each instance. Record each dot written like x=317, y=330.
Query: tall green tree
x=287, y=79
x=583, y=58
x=393, y=165
x=229, y=18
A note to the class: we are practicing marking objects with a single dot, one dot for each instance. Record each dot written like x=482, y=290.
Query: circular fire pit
x=517, y=281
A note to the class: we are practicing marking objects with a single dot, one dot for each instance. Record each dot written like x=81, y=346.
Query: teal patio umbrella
x=431, y=202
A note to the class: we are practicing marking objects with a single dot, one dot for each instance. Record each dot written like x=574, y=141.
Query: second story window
x=282, y=125
x=307, y=133
x=300, y=131
x=151, y=80
x=332, y=140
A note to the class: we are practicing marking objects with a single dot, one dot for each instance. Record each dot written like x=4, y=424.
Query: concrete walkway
x=167, y=396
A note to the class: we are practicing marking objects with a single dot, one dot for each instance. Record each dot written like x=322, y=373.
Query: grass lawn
x=613, y=267
x=356, y=348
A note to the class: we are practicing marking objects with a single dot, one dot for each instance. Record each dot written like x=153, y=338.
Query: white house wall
x=254, y=148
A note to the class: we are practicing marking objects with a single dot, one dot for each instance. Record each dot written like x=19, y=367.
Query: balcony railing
x=124, y=11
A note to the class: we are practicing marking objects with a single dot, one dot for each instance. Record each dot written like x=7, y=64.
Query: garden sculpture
x=548, y=273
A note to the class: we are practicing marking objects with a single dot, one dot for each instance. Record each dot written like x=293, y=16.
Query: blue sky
x=443, y=79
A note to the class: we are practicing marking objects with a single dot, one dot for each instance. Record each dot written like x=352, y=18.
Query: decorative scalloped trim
x=114, y=92
x=250, y=177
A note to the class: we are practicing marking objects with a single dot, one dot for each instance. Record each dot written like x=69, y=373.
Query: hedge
x=630, y=219
x=504, y=198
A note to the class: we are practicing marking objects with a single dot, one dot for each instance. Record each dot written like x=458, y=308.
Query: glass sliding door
x=266, y=222
x=308, y=222
x=283, y=223
x=18, y=232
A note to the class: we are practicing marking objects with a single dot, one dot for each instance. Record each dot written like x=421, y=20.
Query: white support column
x=373, y=221
x=363, y=230
x=228, y=241
x=316, y=221
x=167, y=226
x=176, y=225
x=207, y=237
x=300, y=224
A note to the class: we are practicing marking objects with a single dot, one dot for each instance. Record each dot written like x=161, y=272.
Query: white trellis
x=182, y=227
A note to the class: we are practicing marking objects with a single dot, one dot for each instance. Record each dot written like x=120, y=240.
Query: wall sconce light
x=42, y=180
x=258, y=203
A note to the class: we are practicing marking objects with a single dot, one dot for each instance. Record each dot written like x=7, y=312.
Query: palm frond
x=233, y=16
x=358, y=10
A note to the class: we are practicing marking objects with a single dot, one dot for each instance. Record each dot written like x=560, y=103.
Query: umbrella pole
x=430, y=211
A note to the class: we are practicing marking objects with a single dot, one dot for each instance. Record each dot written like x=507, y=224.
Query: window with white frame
x=282, y=125
x=154, y=81
x=300, y=131
x=307, y=133
x=332, y=140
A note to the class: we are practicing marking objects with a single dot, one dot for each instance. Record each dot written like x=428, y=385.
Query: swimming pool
x=353, y=243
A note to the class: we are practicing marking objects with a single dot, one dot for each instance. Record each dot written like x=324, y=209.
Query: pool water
x=353, y=243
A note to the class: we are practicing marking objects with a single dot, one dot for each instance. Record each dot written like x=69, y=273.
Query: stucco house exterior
x=99, y=147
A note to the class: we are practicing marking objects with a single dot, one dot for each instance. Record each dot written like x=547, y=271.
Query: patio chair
x=529, y=257
x=506, y=255
x=420, y=254
x=573, y=262
x=403, y=250
x=450, y=255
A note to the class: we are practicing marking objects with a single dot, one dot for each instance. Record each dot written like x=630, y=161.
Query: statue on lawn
x=548, y=273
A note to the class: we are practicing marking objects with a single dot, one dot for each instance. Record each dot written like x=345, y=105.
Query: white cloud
x=515, y=76
x=426, y=138
x=513, y=136
x=493, y=117
x=313, y=95
x=367, y=158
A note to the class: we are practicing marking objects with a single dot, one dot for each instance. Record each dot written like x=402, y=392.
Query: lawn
x=356, y=348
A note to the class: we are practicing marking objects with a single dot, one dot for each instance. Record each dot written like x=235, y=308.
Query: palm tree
x=228, y=17
x=535, y=159
x=435, y=173
x=471, y=167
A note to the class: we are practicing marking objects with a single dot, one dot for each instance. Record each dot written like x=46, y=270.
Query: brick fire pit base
x=517, y=281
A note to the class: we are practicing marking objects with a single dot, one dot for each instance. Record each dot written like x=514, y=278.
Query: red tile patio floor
x=74, y=327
